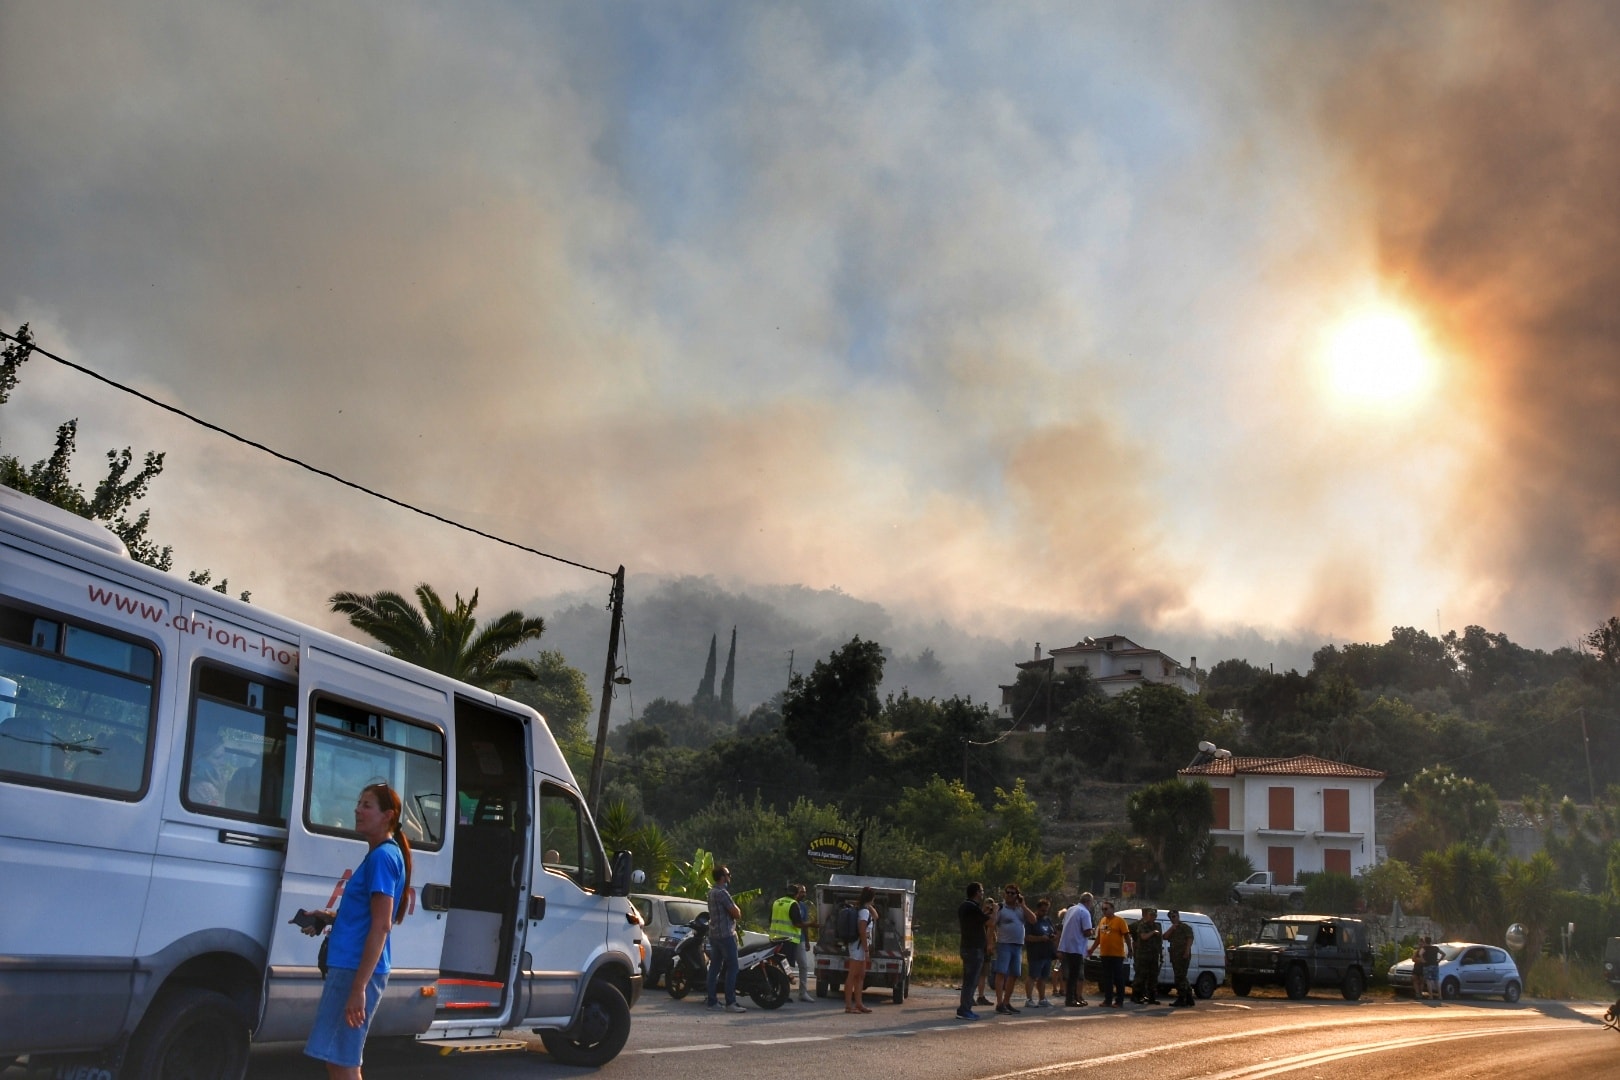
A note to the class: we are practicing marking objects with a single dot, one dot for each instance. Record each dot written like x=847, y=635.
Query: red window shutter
x=1282, y=807
x=1223, y=807
x=1336, y=810
x=1336, y=861
x=1280, y=861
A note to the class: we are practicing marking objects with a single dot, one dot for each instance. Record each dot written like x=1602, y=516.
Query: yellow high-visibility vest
x=782, y=919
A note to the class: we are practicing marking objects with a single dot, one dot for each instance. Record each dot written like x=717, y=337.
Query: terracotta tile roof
x=1298, y=765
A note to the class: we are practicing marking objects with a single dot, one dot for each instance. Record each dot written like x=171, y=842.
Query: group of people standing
x=1012, y=931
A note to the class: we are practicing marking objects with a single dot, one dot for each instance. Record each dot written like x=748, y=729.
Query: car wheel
x=1451, y=989
x=1297, y=902
x=821, y=987
x=1296, y=983
x=1205, y=987
x=1241, y=986
x=1511, y=992
x=190, y=1032
x=902, y=986
x=600, y=1033
x=1354, y=984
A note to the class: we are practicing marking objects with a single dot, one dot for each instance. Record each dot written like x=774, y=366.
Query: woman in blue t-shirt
x=357, y=955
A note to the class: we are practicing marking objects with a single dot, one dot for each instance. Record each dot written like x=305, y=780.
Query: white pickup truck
x=1260, y=883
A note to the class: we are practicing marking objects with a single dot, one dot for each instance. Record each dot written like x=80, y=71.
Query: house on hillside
x=1116, y=664
x=1292, y=815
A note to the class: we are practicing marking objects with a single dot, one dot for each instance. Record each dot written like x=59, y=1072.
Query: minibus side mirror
x=624, y=874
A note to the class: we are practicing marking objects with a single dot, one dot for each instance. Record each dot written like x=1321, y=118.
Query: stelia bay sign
x=831, y=851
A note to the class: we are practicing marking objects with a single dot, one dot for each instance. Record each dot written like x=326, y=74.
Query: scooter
x=761, y=969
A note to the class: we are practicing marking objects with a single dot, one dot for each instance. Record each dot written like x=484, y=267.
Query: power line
x=289, y=459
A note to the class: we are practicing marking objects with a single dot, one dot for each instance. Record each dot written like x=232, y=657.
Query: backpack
x=847, y=924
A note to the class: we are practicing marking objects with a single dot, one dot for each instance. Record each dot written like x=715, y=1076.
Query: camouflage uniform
x=1149, y=953
x=1180, y=938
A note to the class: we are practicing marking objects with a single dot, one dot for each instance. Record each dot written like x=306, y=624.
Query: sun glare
x=1378, y=357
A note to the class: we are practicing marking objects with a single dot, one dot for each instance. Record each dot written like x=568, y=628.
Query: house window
x=1223, y=807
x=1282, y=808
x=1336, y=861
x=1336, y=810
x=1280, y=861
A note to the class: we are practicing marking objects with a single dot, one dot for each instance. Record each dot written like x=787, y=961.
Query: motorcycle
x=761, y=969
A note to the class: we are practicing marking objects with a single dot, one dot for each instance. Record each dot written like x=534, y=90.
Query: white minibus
x=178, y=772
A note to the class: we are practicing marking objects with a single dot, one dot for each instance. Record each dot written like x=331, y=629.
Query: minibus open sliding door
x=358, y=724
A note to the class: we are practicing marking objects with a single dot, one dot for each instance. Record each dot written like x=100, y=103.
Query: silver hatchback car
x=1467, y=968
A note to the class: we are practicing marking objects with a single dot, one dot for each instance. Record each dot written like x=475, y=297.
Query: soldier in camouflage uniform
x=1180, y=938
x=1149, y=951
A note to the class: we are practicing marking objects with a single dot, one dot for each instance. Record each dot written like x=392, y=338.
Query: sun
x=1378, y=357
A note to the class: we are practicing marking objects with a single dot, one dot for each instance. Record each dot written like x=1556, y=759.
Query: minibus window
x=356, y=746
x=236, y=748
x=568, y=837
x=79, y=706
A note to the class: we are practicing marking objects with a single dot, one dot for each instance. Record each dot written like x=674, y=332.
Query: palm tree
x=442, y=639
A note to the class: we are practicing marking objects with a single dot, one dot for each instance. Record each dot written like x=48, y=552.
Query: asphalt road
x=1224, y=1038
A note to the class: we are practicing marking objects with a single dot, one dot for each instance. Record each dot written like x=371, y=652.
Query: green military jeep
x=1298, y=952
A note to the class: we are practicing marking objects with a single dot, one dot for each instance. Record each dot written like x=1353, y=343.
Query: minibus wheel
x=600, y=1032
x=189, y=1033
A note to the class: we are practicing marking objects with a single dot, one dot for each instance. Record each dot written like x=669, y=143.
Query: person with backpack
x=860, y=949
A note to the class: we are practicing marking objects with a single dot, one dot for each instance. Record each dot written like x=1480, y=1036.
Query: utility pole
x=609, y=677
x=1586, y=741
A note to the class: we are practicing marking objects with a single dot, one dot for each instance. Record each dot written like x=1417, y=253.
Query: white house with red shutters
x=1292, y=815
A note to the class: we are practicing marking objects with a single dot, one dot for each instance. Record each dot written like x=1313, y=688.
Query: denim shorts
x=1009, y=959
x=332, y=1039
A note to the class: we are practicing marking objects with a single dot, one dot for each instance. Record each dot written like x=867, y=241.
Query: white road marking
x=682, y=1049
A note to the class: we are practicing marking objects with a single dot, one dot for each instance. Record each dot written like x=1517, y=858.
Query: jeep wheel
x=1354, y=983
x=600, y=1032
x=1240, y=986
x=1205, y=987
x=1296, y=983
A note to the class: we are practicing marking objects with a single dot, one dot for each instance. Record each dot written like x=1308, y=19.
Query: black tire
x=1237, y=897
x=1296, y=984
x=189, y=1033
x=1354, y=985
x=776, y=991
x=902, y=986
x=1205, y=986
x=1241, y=986
x=1296, y=902
x=677, y=982
x=821, y=987
x=1451, y=989
x=600, y=1032
x=1511, y=992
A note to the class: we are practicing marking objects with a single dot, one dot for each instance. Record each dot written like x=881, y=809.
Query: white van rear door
x=360, y=723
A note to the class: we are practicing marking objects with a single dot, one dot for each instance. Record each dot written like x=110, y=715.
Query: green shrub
x=1332, y=894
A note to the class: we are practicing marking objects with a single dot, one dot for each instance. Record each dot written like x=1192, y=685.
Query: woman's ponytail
x=405, y=851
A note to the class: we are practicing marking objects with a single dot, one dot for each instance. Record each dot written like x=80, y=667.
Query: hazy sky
x=1002, y=314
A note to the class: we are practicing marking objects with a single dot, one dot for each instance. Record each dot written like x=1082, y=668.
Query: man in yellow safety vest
x=790, y=919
